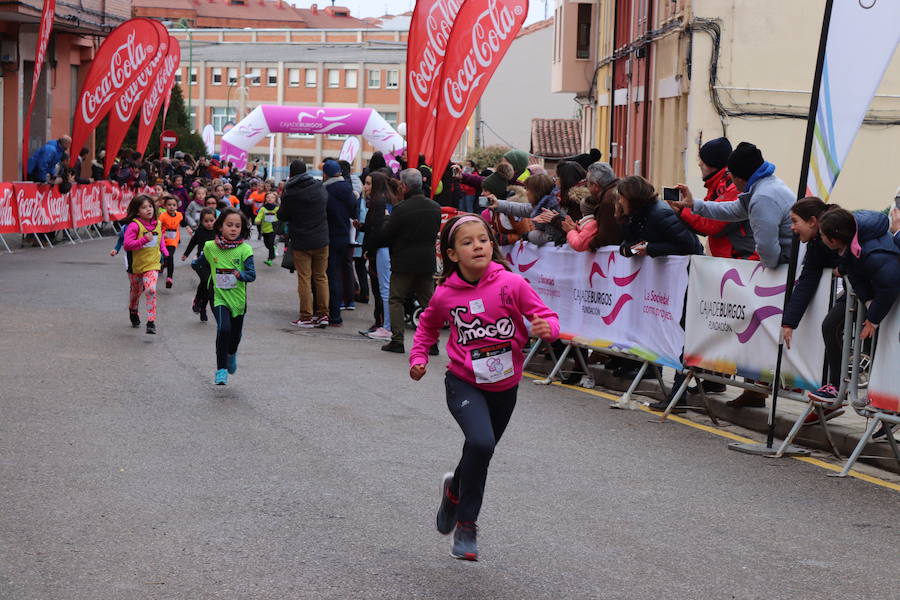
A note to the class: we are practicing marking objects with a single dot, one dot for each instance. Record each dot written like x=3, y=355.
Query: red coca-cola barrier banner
x=126, y=106
x=87, y=205
x=9, y=216
x=40, y=55
x=429, y=31
x=482, y=34
x=120, y=60
x=162, y=87
x=42, y=208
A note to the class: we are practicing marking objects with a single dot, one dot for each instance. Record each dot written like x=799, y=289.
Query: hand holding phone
x=670, y=194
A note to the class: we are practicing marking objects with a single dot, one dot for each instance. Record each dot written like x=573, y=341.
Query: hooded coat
x=303, y=208
x=872, y=264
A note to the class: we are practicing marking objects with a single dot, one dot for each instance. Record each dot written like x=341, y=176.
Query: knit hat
x=588, y=158
x=496, y=182
x=518, y=159
x=745, y=160
x=715, y=152
x=331, y=168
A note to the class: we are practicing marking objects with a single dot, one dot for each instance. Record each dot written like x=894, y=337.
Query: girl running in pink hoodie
x=487, y=306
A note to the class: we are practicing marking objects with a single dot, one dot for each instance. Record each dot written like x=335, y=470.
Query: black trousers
x=337, y=258
x=375, y=291
x=269, y=241
x=228, y=334
x=359, y=264
x=483, y=417
x=204, y=293
x=169, y=262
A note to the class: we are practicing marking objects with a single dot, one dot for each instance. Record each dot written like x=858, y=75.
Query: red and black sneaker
x=464, y=544
x=446, y=514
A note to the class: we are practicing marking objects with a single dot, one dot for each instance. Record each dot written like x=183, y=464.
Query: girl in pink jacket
x=487, y=306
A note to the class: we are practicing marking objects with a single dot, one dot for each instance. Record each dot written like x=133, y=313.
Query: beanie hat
x=496, y=182
x=588, y=158
x=745, y=160
x=331, y=168
x=518, y=159
x=715, y=152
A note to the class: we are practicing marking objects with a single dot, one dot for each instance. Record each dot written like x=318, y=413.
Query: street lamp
x=232, y=84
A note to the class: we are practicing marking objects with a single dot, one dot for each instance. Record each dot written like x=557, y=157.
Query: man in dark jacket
x=410, y=233
x=303, y=209
x=341, y=209
x=42, y=165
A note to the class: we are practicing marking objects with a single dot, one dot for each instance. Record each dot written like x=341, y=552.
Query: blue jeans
x=467, y=203
x=383, y=266
x=228, y=334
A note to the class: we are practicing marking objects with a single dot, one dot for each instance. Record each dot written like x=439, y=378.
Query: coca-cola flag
x=158, y=93
x=126, y=106
x=119, y=61
x=482, y=34
x=40, y=55
x=429, y=32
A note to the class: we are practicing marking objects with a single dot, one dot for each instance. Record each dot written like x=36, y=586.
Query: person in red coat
x=726, y=240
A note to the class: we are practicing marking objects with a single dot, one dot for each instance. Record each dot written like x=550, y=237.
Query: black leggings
x=204, y=293
x=169, y=262
x=269, y=241
x=228, y=334
x=483, y=417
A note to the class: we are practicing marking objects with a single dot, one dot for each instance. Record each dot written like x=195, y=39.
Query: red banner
x=162, y=87
x=40, y=54
x=121, y=59
x=9, y=216
x=87, y=205
x=482, y=34
x=42, y=208
x=429, y=32
x=126, y=106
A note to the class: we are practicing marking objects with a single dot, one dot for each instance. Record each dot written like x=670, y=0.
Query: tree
x=176, y=120
x=488, y=157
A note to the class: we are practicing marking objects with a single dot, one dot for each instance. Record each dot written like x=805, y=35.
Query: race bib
x=155, y=241
x=171, y=234
x=493, y=363
x=269, y=218
x=225, y=279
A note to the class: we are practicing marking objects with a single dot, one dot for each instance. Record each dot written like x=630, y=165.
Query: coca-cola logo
x=7, y=218
x=491, y=29
x=438, y=25
x=42, y=207
x=158, y=89
x=129, y=100
x=125, y=62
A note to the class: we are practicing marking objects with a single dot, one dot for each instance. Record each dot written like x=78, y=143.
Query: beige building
x=677, y=73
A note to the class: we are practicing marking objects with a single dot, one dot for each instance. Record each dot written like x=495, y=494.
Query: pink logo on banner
x=760, y=314
x=596, y=269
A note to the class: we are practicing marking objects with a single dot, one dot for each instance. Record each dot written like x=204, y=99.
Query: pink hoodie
x=487, y=330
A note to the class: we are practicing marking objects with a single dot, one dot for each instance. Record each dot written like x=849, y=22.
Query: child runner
x=143, y=244
x=485, y=304
x=230, y=261
x=204, y=233
x=171, y=226
x=265, y=221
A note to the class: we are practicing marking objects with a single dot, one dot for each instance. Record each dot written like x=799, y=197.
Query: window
x=272, y=77
x=193, y=75
x=178, y=76
x=338, y=136
x=391, y=118
x=393, y=80
x=232, y=75
x=374, y=79
x=311, y=77
x=583, y=32
x=334, y=78
x=301, y=136
x=221, y=115
x=217, y=76
x=256, y=76
x=192, y=119
x=293, y=77
x=350, y=78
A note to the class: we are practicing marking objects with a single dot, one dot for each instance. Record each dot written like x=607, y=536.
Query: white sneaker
x=381, y=334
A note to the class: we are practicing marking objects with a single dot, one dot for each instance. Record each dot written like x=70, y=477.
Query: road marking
x=731, y=436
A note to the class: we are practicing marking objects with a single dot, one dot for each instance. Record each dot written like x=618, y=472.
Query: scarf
x=225, y=244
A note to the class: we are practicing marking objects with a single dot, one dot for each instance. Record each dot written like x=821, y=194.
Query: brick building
x=233, y=71
x=77, y=33
x=238, y=14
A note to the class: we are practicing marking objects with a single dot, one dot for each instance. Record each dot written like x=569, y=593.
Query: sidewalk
x=846, y=430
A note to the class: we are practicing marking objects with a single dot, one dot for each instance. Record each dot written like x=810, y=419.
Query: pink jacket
x=132, y=243
x=488, y=333
x=580, y=238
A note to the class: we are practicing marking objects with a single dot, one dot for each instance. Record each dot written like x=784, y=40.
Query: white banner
x=862, y=37
x=733, y=322
x=884, y=391
x=608, y=301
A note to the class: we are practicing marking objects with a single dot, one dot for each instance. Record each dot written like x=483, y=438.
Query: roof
x=536, y=27
x=328, y=53
x=555, y=138
x=258, y=11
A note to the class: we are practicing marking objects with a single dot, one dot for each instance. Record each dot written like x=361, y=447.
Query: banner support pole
x=795, y=241
x=5, y=245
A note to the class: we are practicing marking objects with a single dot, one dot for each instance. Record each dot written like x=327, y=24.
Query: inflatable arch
x=268, y=118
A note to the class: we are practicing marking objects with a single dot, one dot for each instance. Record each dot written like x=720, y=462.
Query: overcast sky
x=376, y=8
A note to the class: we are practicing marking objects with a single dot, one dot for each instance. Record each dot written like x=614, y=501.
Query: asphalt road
x=314, y=474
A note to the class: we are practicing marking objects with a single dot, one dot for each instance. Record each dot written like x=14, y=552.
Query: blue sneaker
x=221, y=377
x=446, y=514
x=232, y=363
x=464, y=545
